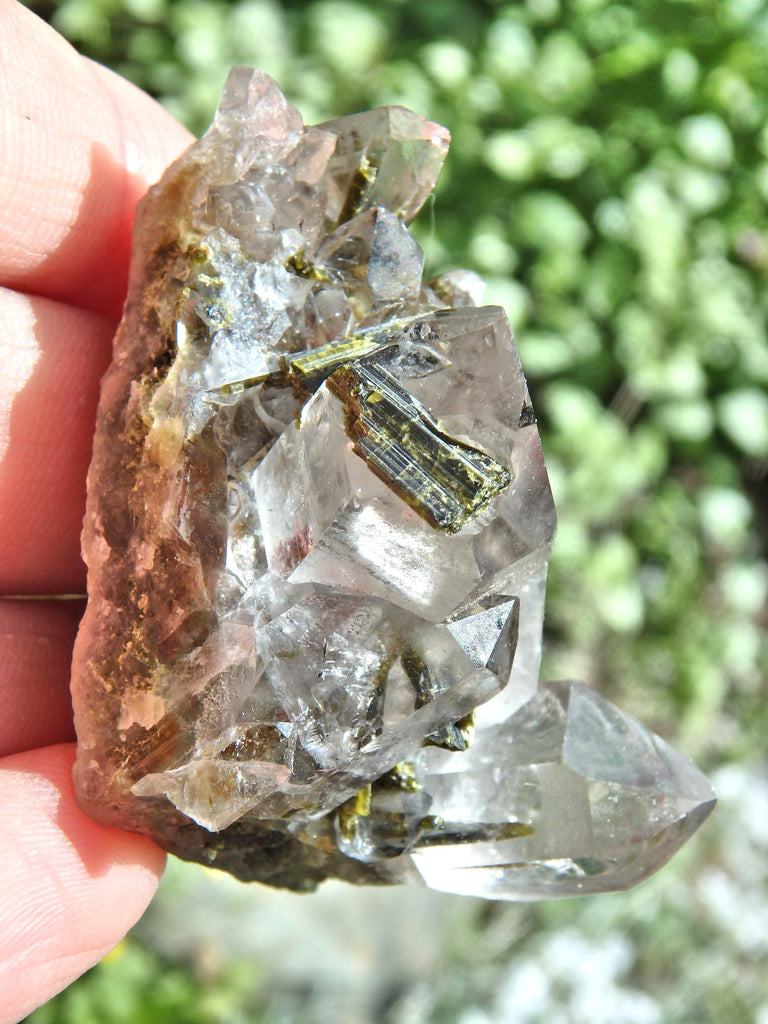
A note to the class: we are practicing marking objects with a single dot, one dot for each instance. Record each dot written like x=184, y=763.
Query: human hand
x=78, y=147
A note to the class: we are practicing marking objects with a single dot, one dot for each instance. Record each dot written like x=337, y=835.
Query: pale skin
x=78, y=147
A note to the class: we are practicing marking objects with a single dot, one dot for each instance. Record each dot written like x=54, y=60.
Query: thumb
x=69, y=888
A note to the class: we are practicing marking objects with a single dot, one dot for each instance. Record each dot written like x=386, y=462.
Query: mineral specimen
x=317, y=535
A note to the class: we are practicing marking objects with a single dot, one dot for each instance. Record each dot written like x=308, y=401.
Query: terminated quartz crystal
x=317, y=535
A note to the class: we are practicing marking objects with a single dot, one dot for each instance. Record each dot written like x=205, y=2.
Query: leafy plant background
x=609, y=178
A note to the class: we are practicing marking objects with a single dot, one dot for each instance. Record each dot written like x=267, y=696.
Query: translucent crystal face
x=317, y=536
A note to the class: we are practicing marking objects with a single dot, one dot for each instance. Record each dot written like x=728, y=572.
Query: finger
x=36, y=639
x=69, y=888
x=53, y=357
x=79, y=147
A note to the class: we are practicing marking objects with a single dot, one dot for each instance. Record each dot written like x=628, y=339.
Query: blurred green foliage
x=609, y=178
x=134, y=985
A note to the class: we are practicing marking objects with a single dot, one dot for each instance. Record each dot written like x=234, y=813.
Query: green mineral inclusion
x=306, y=371
x=446, y=481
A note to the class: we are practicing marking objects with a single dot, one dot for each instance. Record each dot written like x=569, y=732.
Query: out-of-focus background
x=609, y=178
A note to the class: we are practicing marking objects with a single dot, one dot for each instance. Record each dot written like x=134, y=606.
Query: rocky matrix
x=317, y=536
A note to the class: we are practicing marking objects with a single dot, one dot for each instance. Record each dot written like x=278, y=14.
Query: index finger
x=79, y=147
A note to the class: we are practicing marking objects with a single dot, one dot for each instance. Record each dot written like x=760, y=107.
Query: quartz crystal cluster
x=317, y=537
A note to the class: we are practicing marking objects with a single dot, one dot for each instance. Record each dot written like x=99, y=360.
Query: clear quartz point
x=317, y=537
x=604, y=802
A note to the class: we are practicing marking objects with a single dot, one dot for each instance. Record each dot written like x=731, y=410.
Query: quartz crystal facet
x=317, y=535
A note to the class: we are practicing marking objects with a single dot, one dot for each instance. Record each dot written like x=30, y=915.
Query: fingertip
x=79, y=147
x=53, y=356
x=36, y=639
x=152, y=139
x=69, y=888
